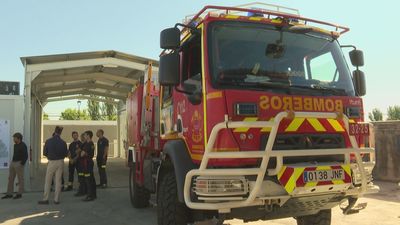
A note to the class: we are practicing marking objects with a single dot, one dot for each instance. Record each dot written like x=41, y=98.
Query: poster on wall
x=4, y=143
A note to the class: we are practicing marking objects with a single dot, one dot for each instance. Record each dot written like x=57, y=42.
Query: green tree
x=45, y=116
x=94, y=109
x=74, y=114
x=109, y=111
x=393, y=113
x=375, y=115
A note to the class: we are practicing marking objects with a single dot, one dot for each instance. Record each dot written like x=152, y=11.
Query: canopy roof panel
x=85, y=75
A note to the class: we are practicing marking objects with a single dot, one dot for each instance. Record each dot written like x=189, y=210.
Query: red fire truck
x=253, y=114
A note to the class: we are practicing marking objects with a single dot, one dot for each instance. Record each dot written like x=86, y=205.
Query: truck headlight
x=227, y=186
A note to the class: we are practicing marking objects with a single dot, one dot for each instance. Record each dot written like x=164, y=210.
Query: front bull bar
x=265, y=155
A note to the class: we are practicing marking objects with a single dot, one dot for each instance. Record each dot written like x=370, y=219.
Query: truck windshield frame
x=245, y=55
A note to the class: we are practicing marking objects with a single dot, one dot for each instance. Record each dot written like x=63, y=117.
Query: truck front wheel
x=169, y=210
x=139, y=195
x=321, y=218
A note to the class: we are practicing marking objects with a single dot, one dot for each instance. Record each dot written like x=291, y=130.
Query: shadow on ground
x=389, y=191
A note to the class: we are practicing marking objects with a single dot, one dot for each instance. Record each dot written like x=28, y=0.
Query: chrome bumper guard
x=252, y=198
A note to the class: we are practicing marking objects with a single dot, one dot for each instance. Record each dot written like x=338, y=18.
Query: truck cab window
x=191, y=64
x=323, y=68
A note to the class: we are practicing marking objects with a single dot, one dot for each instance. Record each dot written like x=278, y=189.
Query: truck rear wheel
x=169, y=210
x=321, y=218
x=139, y=195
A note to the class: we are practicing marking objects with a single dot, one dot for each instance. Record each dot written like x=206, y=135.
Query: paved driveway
x=113, y=207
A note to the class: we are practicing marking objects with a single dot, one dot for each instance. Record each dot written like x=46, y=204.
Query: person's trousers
x=71, y=173
x=54, y=168
x=81, y=177
x=90, y=185
x=82, y=183
x=101, y=165
x=16, y=169
x=89, y=179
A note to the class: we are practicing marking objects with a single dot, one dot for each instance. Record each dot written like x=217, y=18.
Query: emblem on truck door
x=197, y=129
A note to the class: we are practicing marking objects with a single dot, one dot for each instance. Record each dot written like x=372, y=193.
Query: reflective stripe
x=347, y=169
x=316, y=124
x=87, y=175
x=338, y=181
x=216, y=94
x=81, y=174
x=256, y=18
x=291, y=177
x=336, y=125
x=103, y=166
x=231, y=17
x=291, y=184
x=295, y=124
x=268, y=129
x=276, y=21
x=245, y=129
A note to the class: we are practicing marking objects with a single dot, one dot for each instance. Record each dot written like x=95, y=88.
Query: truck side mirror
x=168, y=73
x=170, y=38
x=359, y=82
x=356, y=58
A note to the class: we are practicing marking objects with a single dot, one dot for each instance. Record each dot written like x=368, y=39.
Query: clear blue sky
x=38, y=27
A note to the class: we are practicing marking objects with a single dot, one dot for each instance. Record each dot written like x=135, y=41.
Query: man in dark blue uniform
x=102, y=153
x=80, y=168
x=73, y=147
x=87, y=155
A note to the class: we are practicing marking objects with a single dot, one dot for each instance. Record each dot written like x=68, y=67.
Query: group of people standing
x=80, y=153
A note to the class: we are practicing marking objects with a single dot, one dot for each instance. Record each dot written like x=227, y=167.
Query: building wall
x=386, y=139
x=11, y=108
x=109, y=127
x=123, y=128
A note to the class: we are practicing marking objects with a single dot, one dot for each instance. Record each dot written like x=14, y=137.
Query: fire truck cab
x=252, y=114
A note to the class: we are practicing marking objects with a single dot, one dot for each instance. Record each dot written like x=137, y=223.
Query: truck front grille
x=306, y=141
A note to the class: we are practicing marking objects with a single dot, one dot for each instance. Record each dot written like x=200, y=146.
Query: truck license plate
x=323, y=175
x=358, y=129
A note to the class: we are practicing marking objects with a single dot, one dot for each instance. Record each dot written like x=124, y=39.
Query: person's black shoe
x=43, y=202
x=17, y=196
x=99, y=185
x=6, y=196
x=69, y=188
x=57, y=203
x=79, y=194
x=104, y=186
x=88, y=199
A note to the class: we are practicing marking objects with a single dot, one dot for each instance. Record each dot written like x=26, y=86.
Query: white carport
x=86, y=75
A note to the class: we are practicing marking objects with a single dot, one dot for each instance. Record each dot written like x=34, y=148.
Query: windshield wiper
x=334, y=91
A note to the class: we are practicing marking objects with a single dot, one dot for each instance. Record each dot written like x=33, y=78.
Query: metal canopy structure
x=106, y=76
x=87, y=75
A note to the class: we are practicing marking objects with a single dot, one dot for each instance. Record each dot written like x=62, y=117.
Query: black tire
x=139, y=195
x=321, y=218
x=169, y=210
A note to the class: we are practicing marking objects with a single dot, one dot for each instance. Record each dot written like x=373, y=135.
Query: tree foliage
x=74, y=114
x=45, y=116
x=375, y=115
x=102, y=111
x=94, y=109
x=109, y=111
x=393, y=113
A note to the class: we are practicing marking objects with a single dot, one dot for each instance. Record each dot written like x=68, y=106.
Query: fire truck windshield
x=260, y=56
